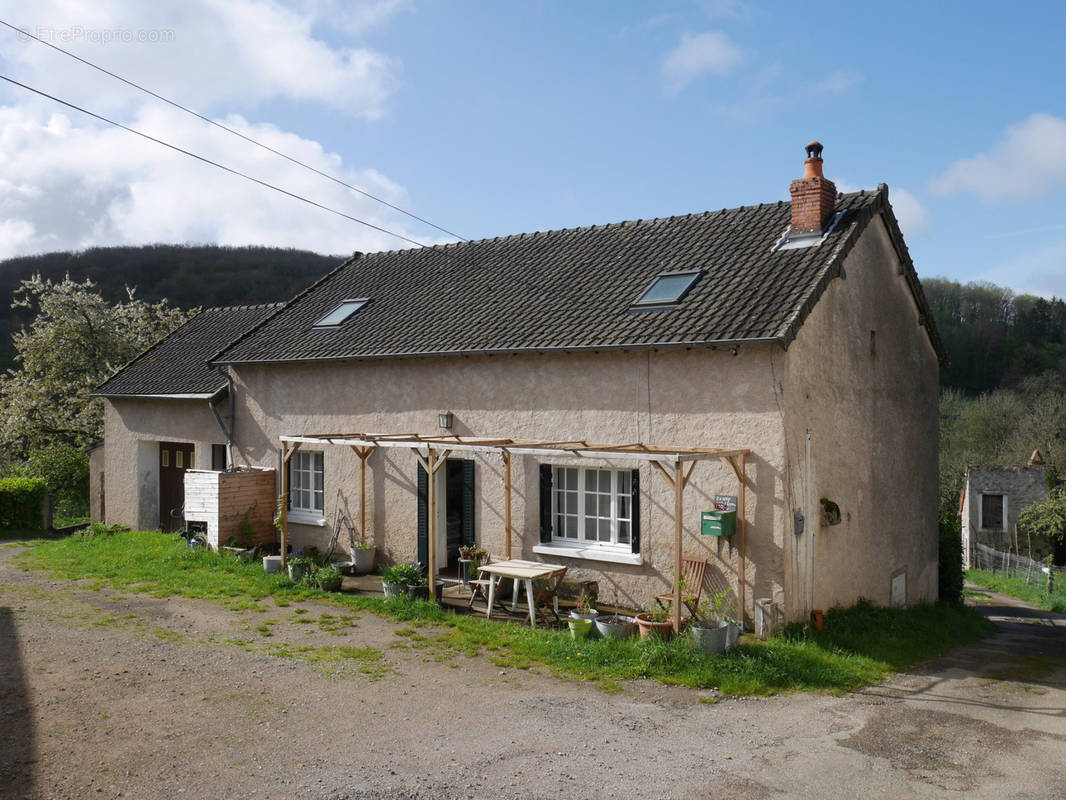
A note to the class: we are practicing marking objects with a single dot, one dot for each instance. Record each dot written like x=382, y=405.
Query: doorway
x=455, y=512
x=174, y=459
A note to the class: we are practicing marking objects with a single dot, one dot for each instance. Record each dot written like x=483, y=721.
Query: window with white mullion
x=306, y=482
x=592, y=506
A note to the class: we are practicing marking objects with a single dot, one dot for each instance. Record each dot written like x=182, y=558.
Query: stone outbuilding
x=992, y=499
x=796, y=334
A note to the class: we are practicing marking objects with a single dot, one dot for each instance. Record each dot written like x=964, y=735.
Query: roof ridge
x=577, y=229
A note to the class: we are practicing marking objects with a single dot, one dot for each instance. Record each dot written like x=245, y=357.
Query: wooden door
x=174, y=459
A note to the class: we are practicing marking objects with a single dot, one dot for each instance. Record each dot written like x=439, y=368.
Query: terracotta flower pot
x=647, y=626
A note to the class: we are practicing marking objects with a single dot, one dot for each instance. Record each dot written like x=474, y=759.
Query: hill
x=186, y=275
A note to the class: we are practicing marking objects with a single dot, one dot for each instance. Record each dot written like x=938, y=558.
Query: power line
x=209, y=161
x=249, y=139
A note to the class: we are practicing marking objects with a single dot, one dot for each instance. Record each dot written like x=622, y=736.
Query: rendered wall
x=133, y=429
x=695, y=398
x=870, y=405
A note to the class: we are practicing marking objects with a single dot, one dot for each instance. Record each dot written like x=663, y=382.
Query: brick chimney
x=813, y=197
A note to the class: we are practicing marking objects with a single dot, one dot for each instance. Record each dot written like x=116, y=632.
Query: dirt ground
x=110, y=695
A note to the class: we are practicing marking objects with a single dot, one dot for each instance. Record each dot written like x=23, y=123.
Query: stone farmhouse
x=589, y=395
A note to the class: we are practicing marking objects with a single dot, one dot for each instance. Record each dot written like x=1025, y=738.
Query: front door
x=455, y=511
x=174, y=459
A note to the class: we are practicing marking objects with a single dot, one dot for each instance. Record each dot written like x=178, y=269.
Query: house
x=586, y=397
x=164, y=413
x=992, y=499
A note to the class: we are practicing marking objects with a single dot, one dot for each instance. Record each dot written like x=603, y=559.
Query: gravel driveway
x=115, y=695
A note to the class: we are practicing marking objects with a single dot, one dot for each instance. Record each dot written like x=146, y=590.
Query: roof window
x=667, y=290
x=341, y=313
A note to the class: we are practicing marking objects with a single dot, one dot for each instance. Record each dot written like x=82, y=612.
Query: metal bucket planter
x=732, y=635
x=712, y=641
x=331, y=584
x=418, y=591
x=362, y=559
x=393, y=589
x=272, y=563
x=613, y=626
x=296, y=571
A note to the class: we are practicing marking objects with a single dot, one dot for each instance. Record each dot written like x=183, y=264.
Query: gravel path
x=110, y=695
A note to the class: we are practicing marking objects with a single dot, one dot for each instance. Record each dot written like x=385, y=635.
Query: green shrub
x=65, y=471
x=950, y=559
x=401, y=573
x=20, y=502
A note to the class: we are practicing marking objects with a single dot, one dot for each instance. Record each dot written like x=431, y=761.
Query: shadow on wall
x=17, y=753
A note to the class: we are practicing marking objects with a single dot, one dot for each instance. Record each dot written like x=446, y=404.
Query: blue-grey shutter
x=423, y=515
x=468, y=502
x=545, y=502
x=634, y=510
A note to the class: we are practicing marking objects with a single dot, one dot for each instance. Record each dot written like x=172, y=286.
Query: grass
x=858, y=647
x=1035, y=592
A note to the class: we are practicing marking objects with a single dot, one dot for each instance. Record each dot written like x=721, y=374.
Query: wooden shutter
x=423, y=515
x=634, y=510
x=545, y=502
x=468, y=502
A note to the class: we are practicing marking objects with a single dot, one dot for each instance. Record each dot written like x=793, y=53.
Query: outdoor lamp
x=444, y=419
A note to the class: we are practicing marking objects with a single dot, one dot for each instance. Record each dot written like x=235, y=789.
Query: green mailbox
x=719, y=523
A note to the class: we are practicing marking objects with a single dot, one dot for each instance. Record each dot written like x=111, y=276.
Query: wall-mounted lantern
x=444, y=419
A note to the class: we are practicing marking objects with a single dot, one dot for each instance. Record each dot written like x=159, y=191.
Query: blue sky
x=499, y=118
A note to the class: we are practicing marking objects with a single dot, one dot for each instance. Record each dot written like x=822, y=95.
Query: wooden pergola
x=673, y=463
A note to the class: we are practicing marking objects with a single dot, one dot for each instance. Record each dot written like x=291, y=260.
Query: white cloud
x=912, y=215
x=1026, y=163
x=69, y=185
x=711, y=52
x=69, y=182
x=209, y=54
x=1036, y=270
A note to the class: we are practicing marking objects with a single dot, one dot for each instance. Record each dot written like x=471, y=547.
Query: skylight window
x=341, y=313
x=667, y=289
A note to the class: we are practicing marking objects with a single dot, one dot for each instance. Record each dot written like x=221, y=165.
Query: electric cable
x=209, y=121
x=206, y=160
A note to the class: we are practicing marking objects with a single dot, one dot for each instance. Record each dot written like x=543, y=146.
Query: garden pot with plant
x=470, y=558
x=655, y=621
x=395, y=579
x=328, y=579
x=299, y=567
x=713, y=628
x=418, y=589
x=583, y=609
x=362, y=553
x=615, y=626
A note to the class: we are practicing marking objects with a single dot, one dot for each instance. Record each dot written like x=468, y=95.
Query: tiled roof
x=177, y=365
x=572, y=289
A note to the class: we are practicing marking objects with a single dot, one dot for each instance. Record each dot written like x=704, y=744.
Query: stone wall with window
x=992, y=500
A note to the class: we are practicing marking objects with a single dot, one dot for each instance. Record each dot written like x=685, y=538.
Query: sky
x=490, y=119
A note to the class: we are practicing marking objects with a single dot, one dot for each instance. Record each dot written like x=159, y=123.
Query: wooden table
x=518, y=570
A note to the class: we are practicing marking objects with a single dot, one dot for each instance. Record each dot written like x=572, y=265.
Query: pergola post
x=679, y=498
x=431, y=522
x=287, y=452
x=739, y=465
x=507, y=502
x=364, y=454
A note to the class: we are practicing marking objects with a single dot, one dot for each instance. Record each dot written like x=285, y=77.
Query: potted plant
x=583, y=608
x=714, y=630
x=418, y=589
x=615, y=626
x=327, y=578
x=394, y=579
x=470, y=558
x=657, y=621
x=299, y=567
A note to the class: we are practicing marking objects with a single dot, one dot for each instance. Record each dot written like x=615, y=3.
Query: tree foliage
x=75, y=341
x=994, y=338
x=1046, y=518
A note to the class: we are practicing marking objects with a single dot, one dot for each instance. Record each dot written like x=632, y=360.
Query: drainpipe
x=226, y=430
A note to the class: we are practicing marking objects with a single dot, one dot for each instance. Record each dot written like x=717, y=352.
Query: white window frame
x=303, y=467
x=981, y=510
x=587, y=536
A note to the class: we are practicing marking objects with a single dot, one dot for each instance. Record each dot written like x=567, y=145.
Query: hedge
x=20, y=502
